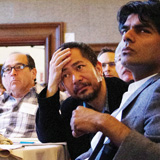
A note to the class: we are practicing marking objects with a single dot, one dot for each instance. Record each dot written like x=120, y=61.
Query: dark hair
x=31, y=62
x=85, y=50
x=148, y=13
x=104, y=50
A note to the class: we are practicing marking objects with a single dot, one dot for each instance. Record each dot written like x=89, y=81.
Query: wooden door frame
x=51, y=35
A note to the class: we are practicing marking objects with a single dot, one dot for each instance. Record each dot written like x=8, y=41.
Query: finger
x=60, y=52
x=61, y=59
x=61, y=64
x=76, y=133
x=79, y=107
x=62, y=56
x=72, y=123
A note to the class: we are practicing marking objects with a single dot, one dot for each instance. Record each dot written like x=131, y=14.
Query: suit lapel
x=139, y=90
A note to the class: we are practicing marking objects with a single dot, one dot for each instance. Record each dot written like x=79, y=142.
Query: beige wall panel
x=92, y=21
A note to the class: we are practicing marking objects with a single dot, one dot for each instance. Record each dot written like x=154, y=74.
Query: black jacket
x=53, y=127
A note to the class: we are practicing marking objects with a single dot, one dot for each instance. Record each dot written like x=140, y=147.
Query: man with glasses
x=106, y=57
x=18, y=104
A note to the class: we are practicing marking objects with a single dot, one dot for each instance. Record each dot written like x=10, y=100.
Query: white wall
x=92, y=21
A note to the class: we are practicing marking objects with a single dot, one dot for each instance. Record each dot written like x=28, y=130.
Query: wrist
x=51, y=91
x=101, y=121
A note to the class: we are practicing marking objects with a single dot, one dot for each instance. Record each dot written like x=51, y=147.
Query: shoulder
x=139, y=146
x=115, y=80
x=116, y=84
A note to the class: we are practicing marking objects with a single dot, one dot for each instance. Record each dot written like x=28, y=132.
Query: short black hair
x=86, y=51
x=148, y=13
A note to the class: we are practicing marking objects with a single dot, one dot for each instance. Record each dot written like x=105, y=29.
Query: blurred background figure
x=123, y=72
x=106, y=57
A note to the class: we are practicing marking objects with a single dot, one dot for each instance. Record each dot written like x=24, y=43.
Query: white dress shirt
x=118, y=112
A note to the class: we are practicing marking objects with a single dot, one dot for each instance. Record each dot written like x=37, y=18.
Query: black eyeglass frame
x=22, y=66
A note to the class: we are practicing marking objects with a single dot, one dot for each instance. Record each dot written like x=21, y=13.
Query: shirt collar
x=135, y=85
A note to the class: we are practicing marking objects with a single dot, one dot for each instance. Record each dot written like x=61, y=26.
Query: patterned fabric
x=17, y=116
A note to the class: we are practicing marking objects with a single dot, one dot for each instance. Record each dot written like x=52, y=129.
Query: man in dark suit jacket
x=137, y=136
x=76, y=68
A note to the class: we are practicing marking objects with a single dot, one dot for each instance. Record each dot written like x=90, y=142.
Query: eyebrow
x=73, y=65
x=108, y=62
x=14, y=64
x=138, y=26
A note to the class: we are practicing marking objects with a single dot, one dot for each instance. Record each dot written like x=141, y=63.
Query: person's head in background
x=123, y=72
x=106, y=57
x=18, y=74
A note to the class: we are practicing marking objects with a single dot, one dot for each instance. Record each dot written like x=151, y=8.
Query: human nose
x=129, y=36
x=13, y=71
x=76, y=77
x=107, y=67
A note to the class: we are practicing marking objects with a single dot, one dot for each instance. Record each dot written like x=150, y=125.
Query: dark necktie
x=103, y=151
x=98, y=148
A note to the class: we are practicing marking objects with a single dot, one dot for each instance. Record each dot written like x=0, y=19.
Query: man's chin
x=88, y=94
x=14, y=87
x=86, y=97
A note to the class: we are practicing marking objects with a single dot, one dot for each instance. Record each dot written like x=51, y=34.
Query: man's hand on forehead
x=59, y=59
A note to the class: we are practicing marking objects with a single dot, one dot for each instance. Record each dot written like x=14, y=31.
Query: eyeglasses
x=111, y=64
x=17, y=67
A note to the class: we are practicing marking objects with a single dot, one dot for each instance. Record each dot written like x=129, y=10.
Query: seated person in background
x=133, y=130
x=106, y=57
x=123, y=73
x=76, y=68
x=18, y=104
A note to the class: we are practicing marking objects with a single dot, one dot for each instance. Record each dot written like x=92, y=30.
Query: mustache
x=80, y=85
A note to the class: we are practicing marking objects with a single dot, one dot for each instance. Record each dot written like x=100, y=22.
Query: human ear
x=99, y=68
x=34, y=73
x=99, y=71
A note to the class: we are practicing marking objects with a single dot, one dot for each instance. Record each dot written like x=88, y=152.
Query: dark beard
x=90, y=96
